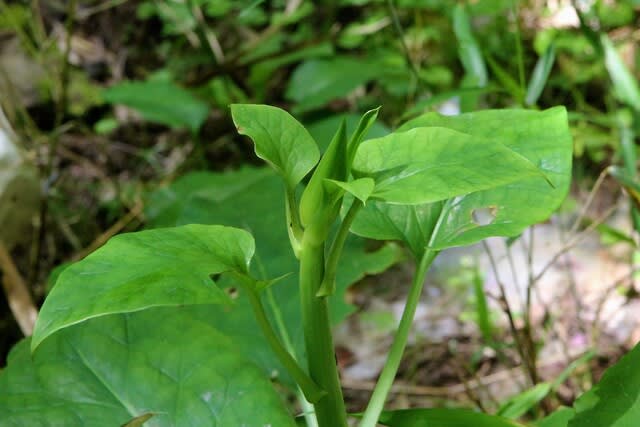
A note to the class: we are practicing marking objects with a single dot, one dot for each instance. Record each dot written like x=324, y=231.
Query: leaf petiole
x=379, y=396
x=312, y=392
x=328, y=286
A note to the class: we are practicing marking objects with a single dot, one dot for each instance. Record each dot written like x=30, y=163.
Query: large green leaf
x=504, y=210
x=160, y=100
x=252, y=198
x=279, y=139
x=443, y=418
x=540, y=136
x=428, y=164
x=110, y=370
x=134, y=271
x=615, y=400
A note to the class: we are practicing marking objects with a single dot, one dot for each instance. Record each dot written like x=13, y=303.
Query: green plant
x=137, y=330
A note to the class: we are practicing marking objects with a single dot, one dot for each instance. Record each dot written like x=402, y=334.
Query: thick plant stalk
x=330, y=409
x=381, y=390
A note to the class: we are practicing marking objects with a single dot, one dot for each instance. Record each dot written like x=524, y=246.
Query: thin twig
x=396, y=25
x=209, y=35
x=110, y=232
x=454, y=389
x=18, y=296
x=587, y=204
x=628, y=277
x=469, y=391
x=504, y=303
x=88, y=11
x=574, y=241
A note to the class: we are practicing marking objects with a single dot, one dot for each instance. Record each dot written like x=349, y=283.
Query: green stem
x=306, y=407
x=330, y=409
x=328, y=286
x=310, y=389
x=381, y=390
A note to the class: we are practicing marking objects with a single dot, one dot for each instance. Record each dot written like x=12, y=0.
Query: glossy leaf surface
x=113, y=369
x=279, y=139
x=252, y=198
x=504, y=210
x=443, y=418
x=134, y=271
x=428, y=164
x=543, y=138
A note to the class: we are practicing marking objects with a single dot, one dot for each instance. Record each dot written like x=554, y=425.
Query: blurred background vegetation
x=107, y=102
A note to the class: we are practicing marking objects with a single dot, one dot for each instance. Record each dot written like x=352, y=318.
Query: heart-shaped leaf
x=428, y=164
x=543, y=138
x=113, y=369
x=279, y=139
x=503, y=210
x=134, y=271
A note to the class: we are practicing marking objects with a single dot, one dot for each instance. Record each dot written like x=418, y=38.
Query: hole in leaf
x=215, y=277
x=484, y=216
x=233, y=292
